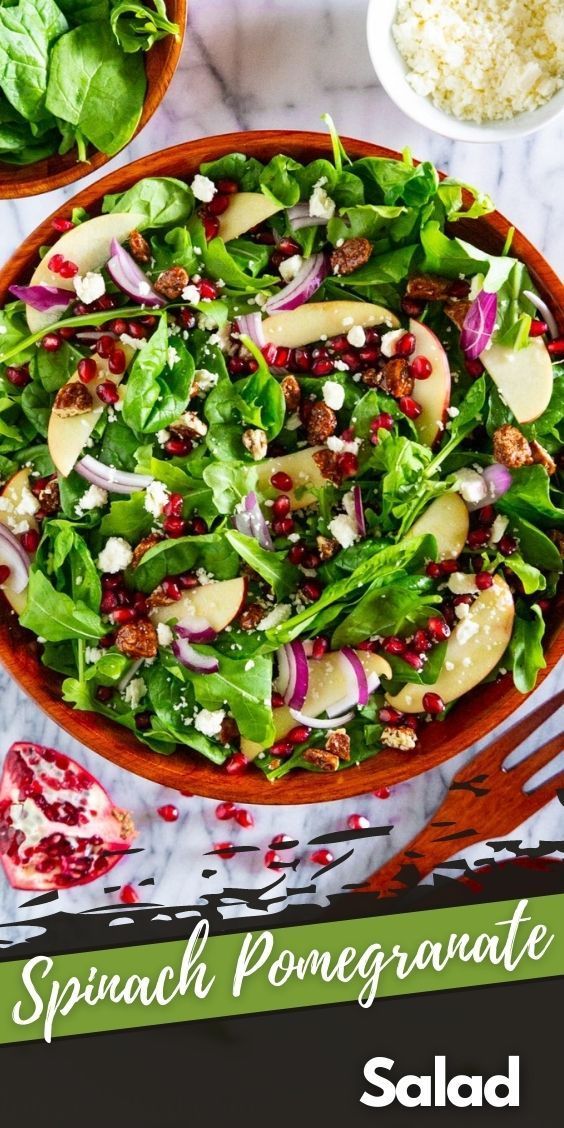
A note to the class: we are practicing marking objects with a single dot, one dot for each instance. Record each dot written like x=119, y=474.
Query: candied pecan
x=229, y=732
x=372, y=377
x=322, y=423
x=339, y=743
x=189, y=424
x=256, y=442
x=251, y=617
x=291, y=392
x=72, y=399
x=320, y=758
x=351, y=255
x=557, y=536
x=139, y=247
x=171, y=282
x=327, y=547
x=49, y=498
x=158, y=597
x=429, y=288
x=274, y=764
x=328, y=464
x=511, y=447
x=143, y=547
x=396, y=377
x=137, y=640
x=456, y=311
x=542, y=456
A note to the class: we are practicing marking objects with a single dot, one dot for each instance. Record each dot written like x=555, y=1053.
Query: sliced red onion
x=126, y=274
x=251, y=326
x=543, y=309
x=314, y=722
x=359, y=511
x=115, y=481
x=498, y=480
x=300, y=289
x=299, y=217
x=359, y=673
x=195, y=628
x=293, y=674
x=251, y=522
x=189, y=657
x=42, y=297
x=479, y=325
x=16, y=559
x=90, y=336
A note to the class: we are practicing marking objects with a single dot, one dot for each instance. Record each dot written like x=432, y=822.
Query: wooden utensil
x=485, y=798
x=54, y=171
x=474, y=716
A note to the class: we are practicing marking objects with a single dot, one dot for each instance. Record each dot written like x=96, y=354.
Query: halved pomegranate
x=58, y=827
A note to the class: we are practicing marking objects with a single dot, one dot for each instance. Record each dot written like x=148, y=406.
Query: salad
x=280, y=459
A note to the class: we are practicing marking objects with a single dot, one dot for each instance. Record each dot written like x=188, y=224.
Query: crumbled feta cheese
x=209, y=721
x=204, y=577
x=321, y=206
x=470, y=485
x=191, y=294
x=92, y=654
x=94, y=498
x=134, y=692
x=156, y=497
x=133, y=342
x=278, y=615
x=203, y=188
x=89, y=287
x=172, y=356
x=452, y=412
x=164, y=634
x=115, y=556
x=390, y=340
x=293, y=422
x=333, y=394
x=340, y=446
x=163, y=436
x=356, y=337
x=18, y=517
x=205, y=380
x=498, y=529
x=462, y=611
x=340, y=366
x=289, y=267
x=460, y=584
x=400, y=737
x=466, y=630
x=344, y=529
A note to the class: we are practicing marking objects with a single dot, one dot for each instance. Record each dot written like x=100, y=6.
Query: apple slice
x=432, y=394
x=13, y=492
x=474, y=648
x=87, y=245
x=523, y=377
x=246, y=210
x=328, y=684
x=67, y=436
x=301, y=468
x=447, y=520
x=315, y=321
x=217, y=603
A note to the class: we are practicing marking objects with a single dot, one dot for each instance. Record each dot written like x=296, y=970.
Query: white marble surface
x=280, y=64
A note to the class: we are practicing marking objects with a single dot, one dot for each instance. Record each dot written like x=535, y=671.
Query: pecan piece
x=251, y=617
x=351, y=255
x=511, y=447
x=171, y=282
x=320, y=758
x=339, y=744
x=372, y=377
x=73, y=399
x=456, y=311
x=256, y=442
x=543, y=458
x=158, y=598
x=399, y=736
x=139, y=247
x=328, y=464
x=429, y=288
x=327, y=547
x=396, y=377
x=143, y=547
x=291, y=392
x=322, y=423
x=229, y=732
x=49, y=498
x=137, y=640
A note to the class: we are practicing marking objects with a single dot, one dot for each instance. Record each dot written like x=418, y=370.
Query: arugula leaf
x=160, y=200
x=524, y=655
x=274, y=567
x=55, y=616
x=246, y=688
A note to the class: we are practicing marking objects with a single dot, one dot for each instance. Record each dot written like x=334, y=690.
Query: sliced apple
x=447, y=520
x=88, y=246
x=301, y=468
x=13, y=493
x=68, y=435
x=328, y=684
x=316, y=320
x=246, y=210
x=432, y=394
x=523, y=377
x=217, y=603
x=473, y=650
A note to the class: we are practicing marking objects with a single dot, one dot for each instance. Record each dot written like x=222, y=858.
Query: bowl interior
x=55, y=171
x=474, y=716
x=392, y=70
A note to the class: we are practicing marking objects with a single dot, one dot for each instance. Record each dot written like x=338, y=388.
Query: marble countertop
x=261, y=64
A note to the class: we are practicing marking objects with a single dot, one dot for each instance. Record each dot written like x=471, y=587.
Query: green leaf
x=278, y=180
x=27, y=32
x=172, y=557
x=245, y=686
x=138, y=26
x=235, y=166
x=529, y=497
x=525, y=654
x=274, y=567
x=157, y=392
x=397, y=609
x=172, y=699
x=220, y=263
x=229, y=482
x=55, y=616
x=162, y=201
x=127, y=519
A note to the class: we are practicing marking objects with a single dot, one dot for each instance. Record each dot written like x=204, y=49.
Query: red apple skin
x=432, y=394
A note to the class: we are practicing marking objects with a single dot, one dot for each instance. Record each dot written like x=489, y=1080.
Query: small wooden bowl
x=475, y=715
x=55, y=171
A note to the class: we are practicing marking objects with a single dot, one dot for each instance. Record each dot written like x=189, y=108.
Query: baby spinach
x=159, y=383
x=274, y=567
x=138, y=26
x=172, y=557
x=56, y=616
x=524, y=656
x=397, y=609
x=245, y=686
x=161, y=200
x=27, y=32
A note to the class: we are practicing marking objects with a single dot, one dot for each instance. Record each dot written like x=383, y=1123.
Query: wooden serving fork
x=485, y=799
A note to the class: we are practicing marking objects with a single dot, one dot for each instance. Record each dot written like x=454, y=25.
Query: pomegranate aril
x=301, y=360
x=507, y=546
x=117, y=362
x=244, y=818
x=236, y=764
x=312, y=590
x=178, y=448
x=410, y=407
x=143, y=722
x=412, y=307
x=448, y=567
x=289, y=247
x=347, y=464
x=107, y=392
x=68, y=269
x=109, y=603
x=208, y=289
x=272, y=860
x=384, y=421
x=321, y=857
x=358, y=822
x=171, y=589
x=281, y=358
x=483, y=581
x=283, y=528
x=298, y=735
x=227, y=187
x=173, y=507
x=104, y=694
x=225, y=811
x=168, y=813
x=311, y=560
x=538, y=328
x=296, y=553
x=187, y=581
x=281, y=506
x=369, y=354
x=405, y=345
x=432, y=703
x=51, y=342
x=413, y=660
x=421, y=368
x=30, y=541
x=18, y=377
x=474, y=368
x=394, y=645
x=339, y=344
x=61, y=225
x=123, y=615
x=556, y=348
x=211, y=226
x=67, y=332
x=421, y=641
x=187, y=319
x=322, y=367
x=486, y=515
x=135, y=330
x=319, y=647
x=5, y=573
x=225, y=849
x=129, y=895
x=382, y=793
x=478, y=538
x=433, y=570
x=198, y=527
x=87, y=369
x=277, y=700
x=281, y=481
x=105, y=346
x=175, y=526
x=390, y=716
x=55, y=263
x=438, y=629
x=219, y=204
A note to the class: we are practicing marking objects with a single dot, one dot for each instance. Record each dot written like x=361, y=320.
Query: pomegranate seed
x=225, y=849
x=384, y=421
x=544, y=604
x=421, y=641
x=538, y=328
x=244, y=818
x=19, y=377
x=227, y=187
x=107, y=641
x=421, y=368
x=448, y=567
x=117, y=362
x=382, y=793
x=173, y=507
x=272, y=860
x=410, y=407
x=413, y=660
x=412, y=307
x=298, y=735
x=61, y=225
x=433, y=570
x=198, y=527
x=30, y=541
x=296, y=553
x=438, y=629
x=105, y=302
x=107, y=392
x=405, y=345
x=556, y=348
x=171, y=589
x=111, y=580
x=277, y=700
x=5, y=573
x=432, y=703
x=224, y=811
x=486, y=515
x=281, y=506
x=219, y=204
x=351, y=360
x=178, y=448
x=339, y=344
x=289, y=247
x=321, y=857
x=68, y=269
x=143, y=722
x=208, y=289
x=367, y=645
x=369, y=354
x=236, y=764
x=169, y=813
x=187, y=319
x=187, y=581
x=129, y=895
x=390, y=716
x=283, y=528
x=55, y=263
x=312, y=590
x=67, y=332
x=279, y=839
x=474, y=368
x=302, y=359
x=281, y=481
x=311, y=560
x=140, y=605
x=319, y=647
x=118, y=326
x=478, y=538
x=507, y=546
x=322, y=367
x=394, y=645
x=358, y=822
x=174, y=526
x=104, y=693
x=477, y=563
x=135, y=330
x=87, y=369
x=348, y=435
x=281, y=749
x=484, y=580
x=348, y=464
x=51, y=342
x=211, y=226
x=109, y=603
x=460, y=599
x=123, y=615
x=411, y=722
x=105, y=346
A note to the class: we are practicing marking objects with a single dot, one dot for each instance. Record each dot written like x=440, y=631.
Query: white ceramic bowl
x=392, y=70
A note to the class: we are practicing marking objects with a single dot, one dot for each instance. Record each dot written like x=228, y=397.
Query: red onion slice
x=126, y=274
x=308, y=279
x=293, y=674
x=479, y=325
x=359, y=673
x=16, y=559
x=189, y=657
x=251, y=326
x=359, y=511
x=42, y=297
x=543, y=309
x=115, y=481
x=90, y=336
x=195, y=628
x=498, y=480
x=251, y=522
x=315, y=723
x=299, y=217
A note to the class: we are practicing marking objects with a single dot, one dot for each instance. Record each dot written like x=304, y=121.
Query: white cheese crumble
x=342, y=446
x=278, y=615
x=163, y=437
x=18, y=517
x=205, y=380
x=203, y=188
x=209, y=721
x=89, y=287
x=92, y=654
x=164, y=635
x=466, y=630
x=333, y=394
x=156, y=497
x=94, y=498
x=290, y=267
x=134, y=343
x=356, y=337
x=460, y=584
x=115, y=556
x=134, y=693
x=470, y=485
x=191, y=294
x=344, y=529
x=172, y=356
x=390, y=340
x=321, y=206
x=498, y=529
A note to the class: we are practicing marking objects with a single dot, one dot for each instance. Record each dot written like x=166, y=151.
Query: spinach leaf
x=219, y=263
x=235, y=166
x=536, y=547
x=157, y=391
x=127, y=519
x=172, y=698
x=81, y=11
x=524, y=655
x=55, y=616
x=391, y=182
x=529, y=497
x=278, y=182
x=172, y=557
x=259, y=396
x=396, y=609
x=274, y=567
x=162, y=201
x=245, y=686
x=26, y=34
x=366, y=220
x=229, y=483
x=137, y=26
x=52, y=370
x=36, y=406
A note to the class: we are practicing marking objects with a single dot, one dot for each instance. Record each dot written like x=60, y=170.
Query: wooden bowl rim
x=188, y=772
x=20, y=181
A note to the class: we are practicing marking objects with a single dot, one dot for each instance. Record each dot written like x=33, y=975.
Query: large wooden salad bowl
x=473, y=717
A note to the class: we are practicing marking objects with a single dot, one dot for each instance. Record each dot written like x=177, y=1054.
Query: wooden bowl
x=54, y=171
x=474, y=716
